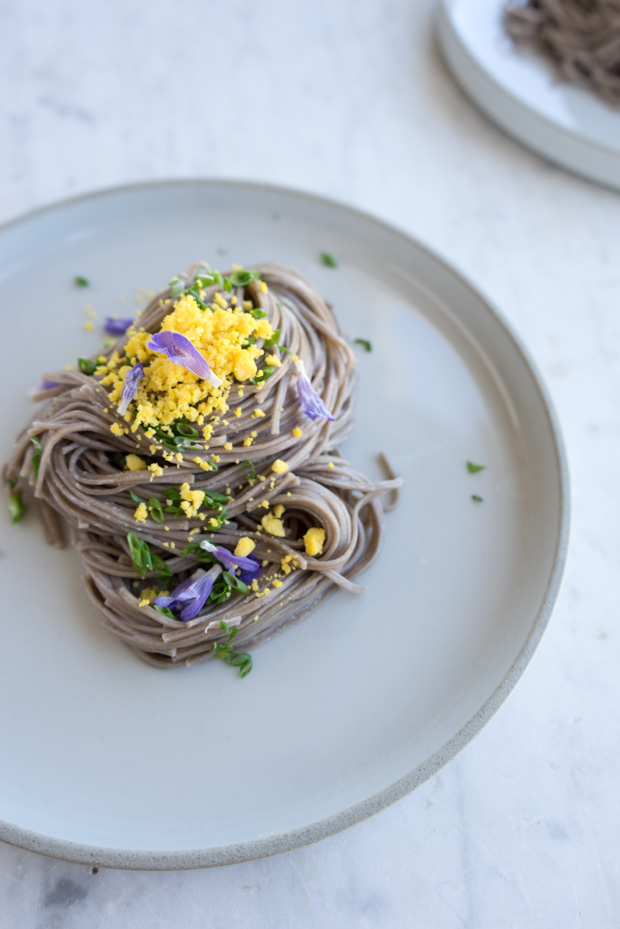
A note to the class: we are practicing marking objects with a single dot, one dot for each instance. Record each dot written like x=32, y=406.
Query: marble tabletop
x=352, y=100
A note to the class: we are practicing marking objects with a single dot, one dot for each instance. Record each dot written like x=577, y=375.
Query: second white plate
x=520, y=92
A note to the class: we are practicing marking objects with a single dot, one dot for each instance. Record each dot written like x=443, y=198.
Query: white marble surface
x=351, y=100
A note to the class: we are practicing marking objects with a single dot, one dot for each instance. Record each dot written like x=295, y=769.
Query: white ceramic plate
x=519, y=91
x=106, y=760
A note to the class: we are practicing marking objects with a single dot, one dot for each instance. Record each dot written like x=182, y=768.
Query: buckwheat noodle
x=582, y=38
x=80, y=482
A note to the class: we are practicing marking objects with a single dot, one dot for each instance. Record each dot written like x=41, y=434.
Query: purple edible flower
x=190, y=596
x=248, y=566
x=311, y=404
x=130, y=387
x=117, y=326
x=178, y=349
x=48, y=385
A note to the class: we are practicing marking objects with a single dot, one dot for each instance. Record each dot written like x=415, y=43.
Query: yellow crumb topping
x=169, y=391
x=297, y=432
x=273, y=360
x=88, y=325
x=191, y=500
x=244, y=546
x=156, y=469
x=117, y=429
x=228, y=446
x=134, y=463
x=279, y=466
x=314, y=540
x=278, y=511
x=140, y=513
x=273, y=525
x=277, y=583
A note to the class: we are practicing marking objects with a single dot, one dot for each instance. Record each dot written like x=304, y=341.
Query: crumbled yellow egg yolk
x=149, y=593
x=279, y=466
x=278, y=511
x=134, y=463
x=273, y=525
x=244, y=546
x=140, y=513
x=191, y=500
x=169, y=391
x=117, y=429
x=297, y=432
x=314, y=540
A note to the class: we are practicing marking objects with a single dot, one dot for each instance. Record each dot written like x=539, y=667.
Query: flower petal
x=190, y=596
x=311, y=404
x=117, y=326
x=132, y=379
x=248, y=566
x=178, y=349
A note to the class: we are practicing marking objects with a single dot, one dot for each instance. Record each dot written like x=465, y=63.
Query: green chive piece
x=328, y=260
x=476, y=498
x=257, y=313
x=87, y=366
x=36, y=455
x=364, y=343
x=223, y=650
x=164, y=610
x=243, y=277
x=263, y=374
x=155, y=510
x=273, y=338
x=16, y=506
x=248, y=469
x=81, y=282
x=474, y=468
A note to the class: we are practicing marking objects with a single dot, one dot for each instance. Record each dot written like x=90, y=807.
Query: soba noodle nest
x=281, y=471
x=581, y=37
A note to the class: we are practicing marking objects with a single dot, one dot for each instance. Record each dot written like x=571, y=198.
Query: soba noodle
x=80, y=477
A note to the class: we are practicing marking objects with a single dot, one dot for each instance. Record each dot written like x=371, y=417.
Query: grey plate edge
x=163, y=860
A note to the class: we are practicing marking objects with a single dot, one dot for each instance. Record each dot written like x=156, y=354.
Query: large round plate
x=107, y=760
x=519, y=91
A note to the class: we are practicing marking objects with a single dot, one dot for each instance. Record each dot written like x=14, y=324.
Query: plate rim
x=162, y=859
x=451, y=43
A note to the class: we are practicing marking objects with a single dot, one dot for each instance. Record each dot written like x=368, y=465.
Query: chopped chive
x=155, y=510
x=273, y=338
x=263, y=374
x=248, y=469
x=257, y=313
x=176, y=287
x=328, y=260
x=16, y=506
x=136, y=498
x=223, y=650
x=476, y=498
x=474, y=468
x=164, y=610
x=243, y=277
x=81, y=281
x=36, y=455
x=87, y=366
x=364, y=343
